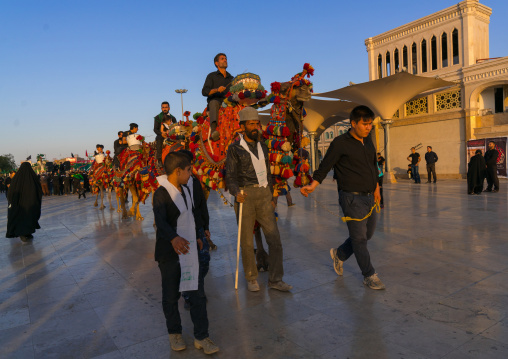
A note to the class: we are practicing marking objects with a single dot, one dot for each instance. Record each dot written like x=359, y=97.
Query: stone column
x=313, y=152
x=386, y=125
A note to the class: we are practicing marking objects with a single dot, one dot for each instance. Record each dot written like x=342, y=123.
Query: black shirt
x=430, y=157
x=215, y=80
x=491, y=158
x=118, y=148
x=414, y=158
x=354, y=164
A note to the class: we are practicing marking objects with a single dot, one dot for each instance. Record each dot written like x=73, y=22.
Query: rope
x=378, y=209
x=348, y=219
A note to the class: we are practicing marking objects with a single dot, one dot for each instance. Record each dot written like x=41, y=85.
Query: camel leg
x=111, y=208
x=118, y=201
x=122, y=207
x=132, y=211
x=102, y=198
x=96, y=198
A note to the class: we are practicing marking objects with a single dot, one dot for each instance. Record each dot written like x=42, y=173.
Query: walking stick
x=238, y=243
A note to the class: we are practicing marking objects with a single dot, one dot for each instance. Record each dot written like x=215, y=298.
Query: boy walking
x=176, y=251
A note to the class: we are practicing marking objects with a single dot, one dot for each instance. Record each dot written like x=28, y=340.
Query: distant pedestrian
x=491, y=162
x=431, y=159
x=415, y=159
x=25, y=199
x=476, y=173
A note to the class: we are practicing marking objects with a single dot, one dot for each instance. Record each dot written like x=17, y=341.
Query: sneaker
x=252, y=285
x=495, y=190
x=337, y=263
x=373, y=282
x=280, y=285
x=177, y=342
x=207, y=345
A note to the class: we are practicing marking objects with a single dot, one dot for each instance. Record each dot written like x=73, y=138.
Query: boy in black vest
x=176, y=251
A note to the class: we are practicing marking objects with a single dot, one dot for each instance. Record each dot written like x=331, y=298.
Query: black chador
x=25, y=199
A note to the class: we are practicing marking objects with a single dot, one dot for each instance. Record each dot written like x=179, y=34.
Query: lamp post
x=181, y=92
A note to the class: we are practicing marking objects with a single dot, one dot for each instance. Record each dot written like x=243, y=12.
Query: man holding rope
x=249, y=180
x=354, y=161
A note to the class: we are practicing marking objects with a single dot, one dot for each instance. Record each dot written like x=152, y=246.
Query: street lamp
x=181, y=92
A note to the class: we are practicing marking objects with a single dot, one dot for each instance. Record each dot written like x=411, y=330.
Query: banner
x=473, y=145
x=500, y=143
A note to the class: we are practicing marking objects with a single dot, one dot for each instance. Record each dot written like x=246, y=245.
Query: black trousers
x=431, y=170
x=170, y=275
x=492, y=179
x=159, y=141
x=358, y=206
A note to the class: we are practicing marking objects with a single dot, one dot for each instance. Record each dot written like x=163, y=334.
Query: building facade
x=452, y=44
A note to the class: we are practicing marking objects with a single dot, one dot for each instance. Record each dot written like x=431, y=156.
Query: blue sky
x=73, y=73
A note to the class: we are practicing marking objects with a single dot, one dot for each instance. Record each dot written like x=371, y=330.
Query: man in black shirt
x=216, y=87
x=119, y=145
x=249, y=180
x=354, y=161
x=157, y=123
x=415, y=159
x=431, y=159
x=491, y=160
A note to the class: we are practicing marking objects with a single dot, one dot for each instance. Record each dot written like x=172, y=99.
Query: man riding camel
x=216, y=87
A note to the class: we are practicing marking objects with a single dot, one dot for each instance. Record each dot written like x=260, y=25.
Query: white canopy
x=386, y=95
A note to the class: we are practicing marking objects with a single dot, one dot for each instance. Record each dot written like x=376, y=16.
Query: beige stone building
x=452, y=44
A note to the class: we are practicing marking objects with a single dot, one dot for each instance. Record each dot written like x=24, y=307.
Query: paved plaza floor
x=88, y=287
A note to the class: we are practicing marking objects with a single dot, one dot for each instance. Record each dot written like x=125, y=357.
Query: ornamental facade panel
x=418, y=106
x=448, y=100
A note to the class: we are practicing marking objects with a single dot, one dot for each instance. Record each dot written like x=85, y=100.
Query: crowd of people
x=181, y=214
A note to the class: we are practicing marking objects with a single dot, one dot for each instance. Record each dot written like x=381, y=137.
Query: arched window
x=424, y=55
x=379, y=67
x=444, y=49
x=326, y=136
x=433, y=52
x=388, y=64
x=455, y=46
x=414, y=59
x=331, y=134
x=396, y=61
x=404, y=58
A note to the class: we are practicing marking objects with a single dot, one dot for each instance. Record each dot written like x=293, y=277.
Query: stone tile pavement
x=87, y=287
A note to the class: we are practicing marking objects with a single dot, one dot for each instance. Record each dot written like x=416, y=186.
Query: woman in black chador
x=24, y=198
x=476, y=173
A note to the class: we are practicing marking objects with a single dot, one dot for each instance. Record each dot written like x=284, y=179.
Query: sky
x=74, y=73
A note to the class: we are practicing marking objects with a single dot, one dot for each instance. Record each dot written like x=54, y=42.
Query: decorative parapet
x=485, y=74
x=449, y=14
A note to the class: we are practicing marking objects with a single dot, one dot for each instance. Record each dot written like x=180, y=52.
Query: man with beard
x=249, y=180
x=491, y=161
x=157, y=122
x=216, y=87
x=476, y=173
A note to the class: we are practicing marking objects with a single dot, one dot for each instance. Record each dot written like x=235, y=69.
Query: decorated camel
x=100, y=175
